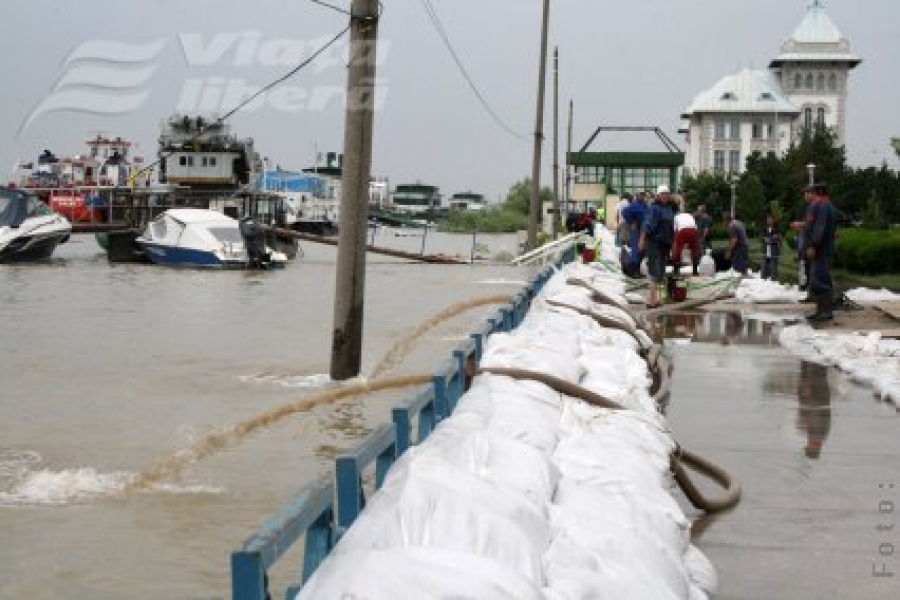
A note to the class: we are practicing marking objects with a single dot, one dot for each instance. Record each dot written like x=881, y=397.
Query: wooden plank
x=891, y=309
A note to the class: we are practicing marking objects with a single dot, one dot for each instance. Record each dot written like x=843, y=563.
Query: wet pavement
x=817, y=456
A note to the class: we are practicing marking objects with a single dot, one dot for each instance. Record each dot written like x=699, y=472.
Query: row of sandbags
x=524, y=493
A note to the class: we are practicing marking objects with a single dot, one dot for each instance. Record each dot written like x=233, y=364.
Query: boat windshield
x=226, y=234
x=12, y=208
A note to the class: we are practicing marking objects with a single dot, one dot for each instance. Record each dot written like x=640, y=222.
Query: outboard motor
x=255, y=242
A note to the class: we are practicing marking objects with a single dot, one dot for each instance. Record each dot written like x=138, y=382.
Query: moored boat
x=29, y=230
x=191, y=237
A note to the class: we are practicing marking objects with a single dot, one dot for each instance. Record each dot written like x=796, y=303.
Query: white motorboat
x=193, y=237
x=29, y=230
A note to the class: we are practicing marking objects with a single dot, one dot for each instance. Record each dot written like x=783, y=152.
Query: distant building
x=467, y=201
x=764, y=110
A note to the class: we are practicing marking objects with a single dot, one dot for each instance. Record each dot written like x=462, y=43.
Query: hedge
x=868, y=251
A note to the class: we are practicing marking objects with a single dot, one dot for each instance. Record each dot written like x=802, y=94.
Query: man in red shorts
x=686, y=237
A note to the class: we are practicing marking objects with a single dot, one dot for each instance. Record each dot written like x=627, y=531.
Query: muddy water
x=150, y=419
x=816, y=454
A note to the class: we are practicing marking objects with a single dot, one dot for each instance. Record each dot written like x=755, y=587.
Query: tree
x=818, y=147
x=709, y=188
x=751, y=200
x=519, y=196
x=895, y=142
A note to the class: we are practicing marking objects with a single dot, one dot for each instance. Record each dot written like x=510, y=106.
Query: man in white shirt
x=686, y=236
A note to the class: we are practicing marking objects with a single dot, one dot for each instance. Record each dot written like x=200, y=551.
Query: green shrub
x=496, y=219
x=869, y=252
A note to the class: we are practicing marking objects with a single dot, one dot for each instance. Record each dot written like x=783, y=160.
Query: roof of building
x=750, y=91
x=817, y=27
x=816, y=39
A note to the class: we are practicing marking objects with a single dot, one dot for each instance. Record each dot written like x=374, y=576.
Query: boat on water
x=80, y=187
x=192, y=237
x=29, y=229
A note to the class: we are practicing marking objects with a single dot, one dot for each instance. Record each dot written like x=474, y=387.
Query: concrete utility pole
x=346, y=345
x=555, y=226
x=535, y=205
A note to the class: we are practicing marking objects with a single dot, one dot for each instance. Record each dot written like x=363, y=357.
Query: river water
x=113, y=374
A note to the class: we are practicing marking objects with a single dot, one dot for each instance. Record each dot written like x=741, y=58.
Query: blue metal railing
x=381, y=447
x=324, y=511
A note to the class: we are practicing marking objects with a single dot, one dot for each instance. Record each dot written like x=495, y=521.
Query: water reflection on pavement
x=815, y=455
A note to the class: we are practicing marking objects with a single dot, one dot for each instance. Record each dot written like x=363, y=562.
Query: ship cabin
x=467, y=201
x=416, y=198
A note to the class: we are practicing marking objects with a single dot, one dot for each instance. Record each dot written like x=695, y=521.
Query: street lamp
x=812, y=173
x=733, y=194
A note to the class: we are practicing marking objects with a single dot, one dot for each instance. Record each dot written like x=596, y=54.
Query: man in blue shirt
x=633, y=216
x=738, y=250
x=657, y=237
x=818, y=243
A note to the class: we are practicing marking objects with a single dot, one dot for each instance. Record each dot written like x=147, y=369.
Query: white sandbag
x=645, y=431
x=519, y=468
x=619, y=375
x=427, y=501
x=627, y=553
x=571, y=295
x=700, y=570
x=652, y=510
x=539, y=355
x=615, y=313
x=604, y=582
x=421, y=573
x=599, y=337
x=697, y=593
x=526, y=411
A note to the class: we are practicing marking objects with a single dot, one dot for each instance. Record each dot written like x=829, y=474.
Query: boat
x=79, y=187
x=193, y=237
x=29, y=229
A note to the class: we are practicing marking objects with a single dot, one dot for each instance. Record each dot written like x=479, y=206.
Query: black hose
x=603, y=321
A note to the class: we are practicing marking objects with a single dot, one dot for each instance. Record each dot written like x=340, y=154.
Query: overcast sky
x=623, y=62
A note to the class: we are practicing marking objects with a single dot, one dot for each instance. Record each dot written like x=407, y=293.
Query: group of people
x=656, y=228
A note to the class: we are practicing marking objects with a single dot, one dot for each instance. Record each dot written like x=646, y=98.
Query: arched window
x=832, y=83
x=807, y=118
x=820, y=83
x=798, y=81
x=810, y=81
x=820, y=116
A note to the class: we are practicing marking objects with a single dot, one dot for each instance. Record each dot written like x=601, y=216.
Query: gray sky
x=623, y=62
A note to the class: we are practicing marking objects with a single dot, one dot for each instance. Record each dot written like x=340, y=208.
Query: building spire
x=816, y=4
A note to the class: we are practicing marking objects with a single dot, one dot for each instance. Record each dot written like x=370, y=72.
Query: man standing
x=771, y=248
x=821, y=225
x=621, y=225
x=738, y=250
x=800, y=228
x=704, y=222
x=633, y=215
x=657, y=236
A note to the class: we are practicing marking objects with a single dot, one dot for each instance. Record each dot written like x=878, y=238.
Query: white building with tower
x=763, y=110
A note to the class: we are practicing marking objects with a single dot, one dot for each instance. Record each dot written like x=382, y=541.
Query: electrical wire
x=331, y=6
x=442, y=33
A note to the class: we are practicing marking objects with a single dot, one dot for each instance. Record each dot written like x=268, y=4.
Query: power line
x=442, y=33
